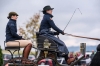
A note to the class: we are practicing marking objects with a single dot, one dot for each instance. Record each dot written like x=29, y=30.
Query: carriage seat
x=12, y=49
x=41, y=39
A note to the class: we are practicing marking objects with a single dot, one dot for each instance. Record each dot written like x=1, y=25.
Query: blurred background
x=86, y=24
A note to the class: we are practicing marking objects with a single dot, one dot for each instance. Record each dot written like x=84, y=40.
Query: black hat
x=47, y=8
x=12, y=13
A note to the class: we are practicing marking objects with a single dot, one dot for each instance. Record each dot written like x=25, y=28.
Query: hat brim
x=52, y=8
x=47, y=9
x=17, y=15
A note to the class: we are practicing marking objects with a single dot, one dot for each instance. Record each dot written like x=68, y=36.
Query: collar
x=12, y=19
x=49, y=15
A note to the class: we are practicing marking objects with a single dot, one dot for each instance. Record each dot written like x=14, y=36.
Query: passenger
x=11, y=36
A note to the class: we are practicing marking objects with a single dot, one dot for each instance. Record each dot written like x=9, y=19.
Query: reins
x=98, y=39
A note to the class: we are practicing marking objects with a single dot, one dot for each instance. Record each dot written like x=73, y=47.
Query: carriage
x=46, y=55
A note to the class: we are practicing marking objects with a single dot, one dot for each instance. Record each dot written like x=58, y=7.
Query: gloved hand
x=56, y=33
x=63, y=33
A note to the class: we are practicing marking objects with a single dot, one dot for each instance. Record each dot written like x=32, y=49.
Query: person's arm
x=12, y=28
x=52, y=24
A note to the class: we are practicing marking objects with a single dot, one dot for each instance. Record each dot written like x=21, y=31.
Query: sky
x=86, y=24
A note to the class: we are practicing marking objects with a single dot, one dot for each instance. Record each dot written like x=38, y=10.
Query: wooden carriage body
x=46, y=53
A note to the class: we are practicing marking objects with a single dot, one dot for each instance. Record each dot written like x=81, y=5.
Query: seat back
x=40, y=42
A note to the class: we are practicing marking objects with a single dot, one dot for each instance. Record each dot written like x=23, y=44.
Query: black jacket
x=11, y=31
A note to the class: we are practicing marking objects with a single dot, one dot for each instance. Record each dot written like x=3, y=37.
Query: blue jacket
x=48, y=23
x=11, y=31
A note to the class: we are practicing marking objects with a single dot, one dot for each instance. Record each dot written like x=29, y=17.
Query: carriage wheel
x=14, y=60
x=48, y=61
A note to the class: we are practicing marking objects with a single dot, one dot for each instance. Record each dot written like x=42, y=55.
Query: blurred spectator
x=77, y=54
x=6, y=64
x=88, y=59
x=96, y=59
x=71, y=55
x=92, y=55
